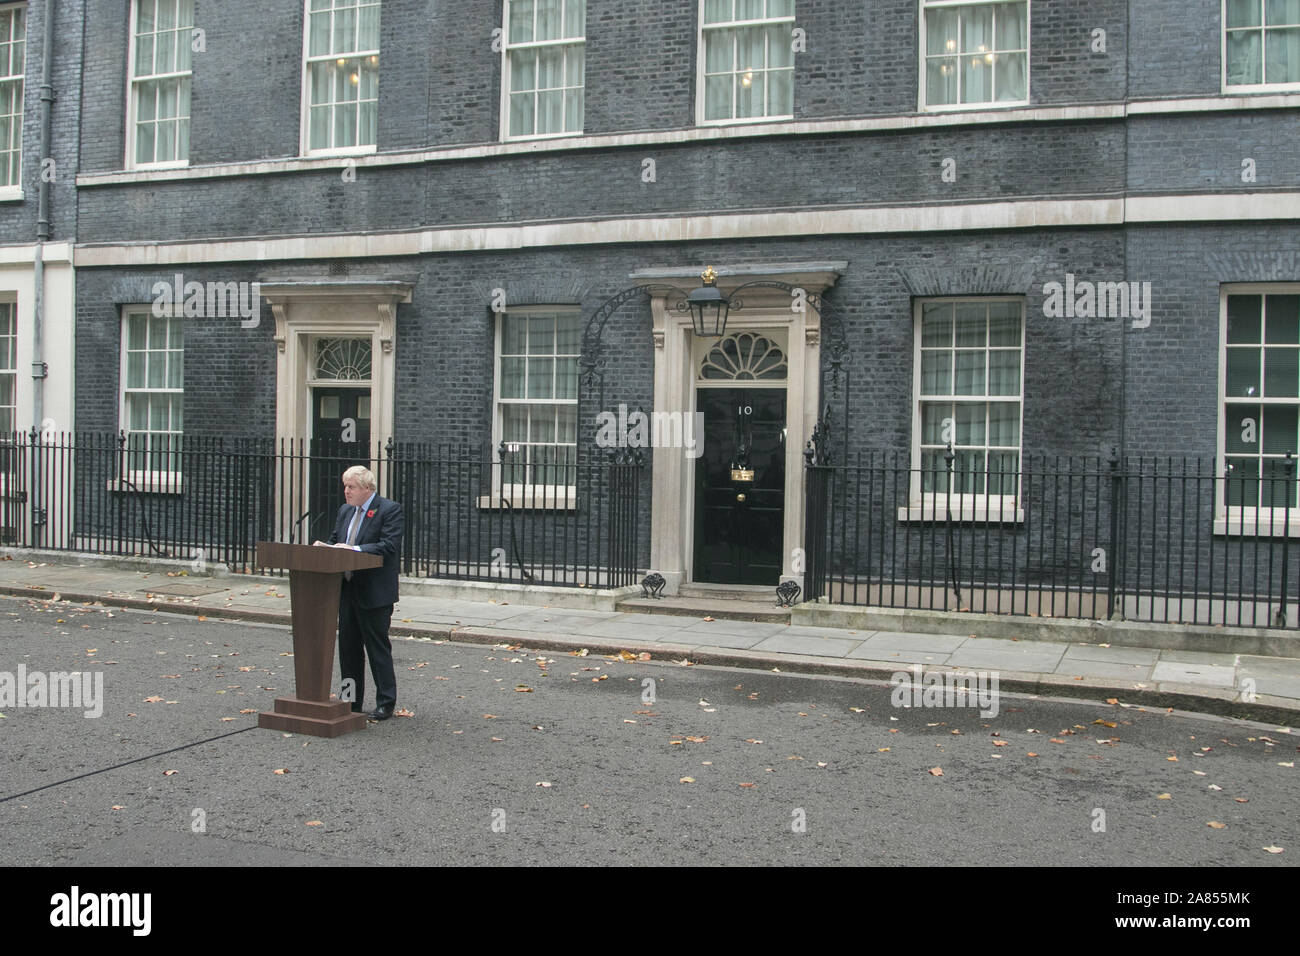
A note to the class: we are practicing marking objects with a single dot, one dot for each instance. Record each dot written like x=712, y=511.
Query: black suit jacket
x=380, y=533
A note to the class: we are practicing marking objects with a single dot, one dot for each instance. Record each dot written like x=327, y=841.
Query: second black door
x=340, y=438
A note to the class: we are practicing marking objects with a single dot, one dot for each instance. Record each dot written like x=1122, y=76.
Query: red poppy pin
x=370, y=513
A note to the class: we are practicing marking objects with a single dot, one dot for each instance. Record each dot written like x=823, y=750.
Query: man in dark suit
x=374, y=525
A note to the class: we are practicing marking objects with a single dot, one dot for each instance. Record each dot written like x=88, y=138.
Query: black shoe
x=381, y=713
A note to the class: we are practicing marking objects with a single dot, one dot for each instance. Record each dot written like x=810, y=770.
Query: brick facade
x=1015, y=216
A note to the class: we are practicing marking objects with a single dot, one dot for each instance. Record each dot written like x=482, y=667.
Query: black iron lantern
x=709, y=307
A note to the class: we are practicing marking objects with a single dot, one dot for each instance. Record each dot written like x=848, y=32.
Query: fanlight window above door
x=745, y=356
x=343, y=360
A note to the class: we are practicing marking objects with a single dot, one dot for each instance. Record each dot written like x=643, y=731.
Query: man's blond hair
x=362, y=475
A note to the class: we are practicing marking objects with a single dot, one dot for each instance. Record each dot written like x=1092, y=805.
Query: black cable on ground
x=125, y=763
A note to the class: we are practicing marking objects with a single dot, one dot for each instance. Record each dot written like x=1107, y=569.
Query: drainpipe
x=43, y=235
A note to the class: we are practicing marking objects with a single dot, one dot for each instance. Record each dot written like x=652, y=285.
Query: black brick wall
x=18, y=219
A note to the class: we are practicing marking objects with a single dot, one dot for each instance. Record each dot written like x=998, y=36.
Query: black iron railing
x=1144, y=539
x=209, y=500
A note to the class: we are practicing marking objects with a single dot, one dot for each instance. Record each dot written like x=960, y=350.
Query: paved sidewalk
x=1238, y=685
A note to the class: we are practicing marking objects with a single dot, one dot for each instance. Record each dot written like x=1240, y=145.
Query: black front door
x=740, y=486
x=340, y=439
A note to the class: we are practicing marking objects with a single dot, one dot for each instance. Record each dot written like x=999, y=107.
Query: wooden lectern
x=315, y=578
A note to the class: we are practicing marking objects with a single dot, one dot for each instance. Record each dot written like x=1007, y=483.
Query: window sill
x=937, y=511
x=743, y=120
x=1255, y=88
x=1248, y=526
x=974, y=107
x=169, y=164
x=11, y=193
x=154, y=483
x=533, y=137
x=548, y=499
x=341, y=151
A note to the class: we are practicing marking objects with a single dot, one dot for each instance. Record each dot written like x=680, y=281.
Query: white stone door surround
x=341, y=308
x=672, y=501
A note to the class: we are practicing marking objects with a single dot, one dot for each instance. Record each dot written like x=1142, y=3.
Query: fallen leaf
x=117, y=806
x=1164, y=796
x=686, y=780
x=1272, y=849
x=936, y=771
x=523, y=689
x=1214, y=786
x=1217, y=825
x=168, y=773
x=1105, y=723
x=749, y=785
x=153, y=700
x=248, y=710
x=751, y=740
x=1111, y=700
x=857, y=710
x=544, y=783
x=1031, y=754
x=280, y=773
x=882, y=750
x=710, y=619
x=315, y=823
x=1242, y=800
x=489, y=716
x=999, y=743
x=1172, y=759
x=224, y=719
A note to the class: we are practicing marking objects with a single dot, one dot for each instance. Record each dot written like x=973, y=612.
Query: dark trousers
x=362, y=632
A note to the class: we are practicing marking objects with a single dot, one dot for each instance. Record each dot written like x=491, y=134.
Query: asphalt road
x=518, y=757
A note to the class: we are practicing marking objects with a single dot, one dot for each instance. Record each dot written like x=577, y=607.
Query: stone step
x=728, y=592
x=718, y=608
